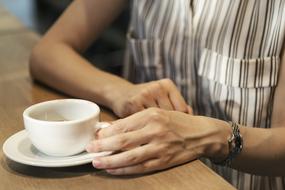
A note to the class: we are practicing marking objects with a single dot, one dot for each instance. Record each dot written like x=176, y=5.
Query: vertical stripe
x=224, y=56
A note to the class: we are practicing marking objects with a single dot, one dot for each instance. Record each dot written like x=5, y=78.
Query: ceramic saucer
x=20, y=149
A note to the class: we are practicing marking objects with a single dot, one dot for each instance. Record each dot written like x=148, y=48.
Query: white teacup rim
x=27, y=111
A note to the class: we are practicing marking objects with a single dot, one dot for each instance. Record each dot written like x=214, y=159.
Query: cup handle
x=101, y=125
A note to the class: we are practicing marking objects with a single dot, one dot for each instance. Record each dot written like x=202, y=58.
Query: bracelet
x=235, y=146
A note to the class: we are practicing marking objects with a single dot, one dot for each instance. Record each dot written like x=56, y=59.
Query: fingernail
x=96, y=163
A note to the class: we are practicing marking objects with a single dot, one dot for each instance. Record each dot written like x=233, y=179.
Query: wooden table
x=17, y=92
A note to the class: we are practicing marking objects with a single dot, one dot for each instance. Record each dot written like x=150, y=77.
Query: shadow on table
x=44, y=172
x=60, y=172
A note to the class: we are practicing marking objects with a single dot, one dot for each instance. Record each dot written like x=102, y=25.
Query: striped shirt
x=224, y=56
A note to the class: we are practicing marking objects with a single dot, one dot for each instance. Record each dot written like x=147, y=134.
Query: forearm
x=263, y=150
x=62, y=68
x=56, y=60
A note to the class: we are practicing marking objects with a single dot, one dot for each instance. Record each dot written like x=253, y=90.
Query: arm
x=165, y=138
x=264, y=151
x=56, y=61
x=156, y=139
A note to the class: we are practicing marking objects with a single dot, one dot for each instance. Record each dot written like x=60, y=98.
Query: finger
x=161, y=96
x=165, y=103
x=146, y=96
x=127, y=158
x=150, y=103
x=115, y=128
x=174, y=95
x=131, y=123
x=134, y=108
x=154, y=164
x=120, y=142
x=190, y=110
x=145, y=167
x=177, y=100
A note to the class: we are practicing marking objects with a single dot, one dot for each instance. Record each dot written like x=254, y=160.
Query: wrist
x=235, y=146
x=208, y=136
x=217, y=148
x=113, y=92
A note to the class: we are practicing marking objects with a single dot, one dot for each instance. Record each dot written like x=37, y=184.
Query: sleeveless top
x=223, y=55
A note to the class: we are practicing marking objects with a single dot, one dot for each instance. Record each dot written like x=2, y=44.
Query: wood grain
x=18, y=91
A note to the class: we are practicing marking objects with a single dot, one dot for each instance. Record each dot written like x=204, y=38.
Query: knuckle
x=150, y=166
x=97, y=146
x=132, y=101
x=118, y=129
x=128, y=105
x=155, y=114
x=165, y=160
x=132, y=104
x=122, y=142
x=153, y=84
x=156, y=86
x=131, y=159
x=154, y=89
x=146, y=93
x=158, y=115
x=167, y=81
x=157, y=133
x=161, y=130
x=162, y=133
x=164, y=148
x=99, y=134
x=145, y=166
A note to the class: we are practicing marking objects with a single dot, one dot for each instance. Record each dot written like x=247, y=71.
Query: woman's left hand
x=156, y=139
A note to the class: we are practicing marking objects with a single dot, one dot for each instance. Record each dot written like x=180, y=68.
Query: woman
x=223, y=56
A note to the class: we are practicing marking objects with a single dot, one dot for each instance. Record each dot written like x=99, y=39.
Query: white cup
x=61, y=127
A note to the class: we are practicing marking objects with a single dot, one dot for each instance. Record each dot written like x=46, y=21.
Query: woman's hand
x=156, y=139
x=161, y=94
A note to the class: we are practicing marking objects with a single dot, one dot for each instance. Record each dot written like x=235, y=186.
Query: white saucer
x=19, y=148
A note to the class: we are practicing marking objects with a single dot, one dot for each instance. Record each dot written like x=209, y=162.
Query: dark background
x=106, y=53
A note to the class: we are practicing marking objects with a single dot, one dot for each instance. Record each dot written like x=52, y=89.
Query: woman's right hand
x=161, y=94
